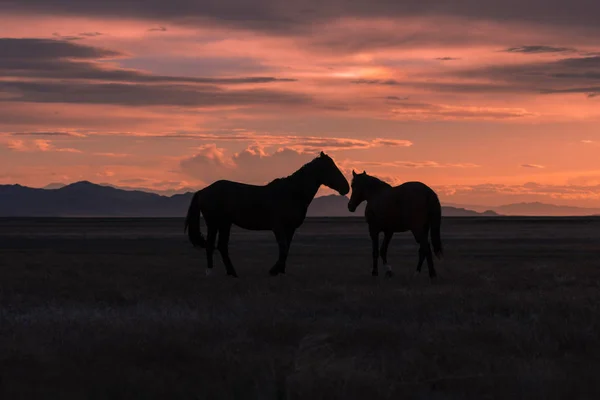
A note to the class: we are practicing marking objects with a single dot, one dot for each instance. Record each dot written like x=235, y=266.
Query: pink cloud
x=111, y=155
x=42, y=145
x=16, y=145
x=535, y=166
x=251, y=165
x=497, y=194
x=417, y=164
x=310, y=144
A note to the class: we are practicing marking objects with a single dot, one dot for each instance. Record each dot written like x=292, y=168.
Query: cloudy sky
x=486, y=101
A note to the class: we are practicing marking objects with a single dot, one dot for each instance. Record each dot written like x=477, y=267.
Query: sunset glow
x=488, y=105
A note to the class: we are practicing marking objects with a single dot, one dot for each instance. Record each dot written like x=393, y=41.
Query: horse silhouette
x=279, y=206
x=410, y=206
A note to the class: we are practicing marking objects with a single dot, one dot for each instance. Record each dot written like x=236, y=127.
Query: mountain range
x=86, y=199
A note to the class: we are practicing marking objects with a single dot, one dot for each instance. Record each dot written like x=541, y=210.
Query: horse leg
x=387, y=237
x=375, y=248
x=289, y=235
x=428, y=253
x=211, y=236
x=281, y=237
x=422, y=251
x=223, y=247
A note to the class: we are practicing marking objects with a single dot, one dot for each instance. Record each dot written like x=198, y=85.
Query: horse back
x=401, y=208
x=254, y=207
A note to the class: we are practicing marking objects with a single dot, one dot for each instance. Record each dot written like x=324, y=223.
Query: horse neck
x=306, y=183
x=377, y=187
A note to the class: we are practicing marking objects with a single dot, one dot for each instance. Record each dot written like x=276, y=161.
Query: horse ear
x=364, y=172
x=322, y=154
x=353, y=173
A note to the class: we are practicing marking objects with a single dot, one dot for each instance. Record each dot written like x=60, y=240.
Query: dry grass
x=122, y=309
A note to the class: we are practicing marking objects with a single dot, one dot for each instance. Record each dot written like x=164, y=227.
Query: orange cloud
x=37, y=145
x=16, y=145
x=417, y=164
x=251, y=165
x=536, y=166
x=112, y=155
x=308, y=144
x=496, y=194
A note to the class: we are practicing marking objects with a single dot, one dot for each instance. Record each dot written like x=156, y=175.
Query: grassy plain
x=121, y=308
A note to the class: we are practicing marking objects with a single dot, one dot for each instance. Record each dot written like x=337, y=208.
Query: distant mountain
x=542, y=209
x=532, y=209
x=54, y=185
x=337, y=206
x=86, y=199
x=162, y=192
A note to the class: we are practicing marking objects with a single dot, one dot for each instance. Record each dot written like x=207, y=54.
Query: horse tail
x=435, y=221
x=192, y=222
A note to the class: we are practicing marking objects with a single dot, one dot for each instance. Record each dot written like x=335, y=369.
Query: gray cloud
x=45, y=49
x=460, y=87
x=54, y=133
x=66, y=37
x=387, y=82
x=568, y=75
x=159, y=29
x=588, y=91
x=274, y=15
x=43, y=58
x=447, y=58
x=145, y=95
x=539, y=49
x=396, y=98
x=79, y=36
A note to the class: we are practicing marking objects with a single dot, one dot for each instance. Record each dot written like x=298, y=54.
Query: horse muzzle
x=345, y=190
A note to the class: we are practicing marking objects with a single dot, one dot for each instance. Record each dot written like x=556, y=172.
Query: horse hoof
x=389, y=274
x=273, y=273
x=208, y=271
x=374, y=273
x=233, y=275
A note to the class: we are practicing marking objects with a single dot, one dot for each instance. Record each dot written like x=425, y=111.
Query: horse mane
x=308, y=167
x=375, y=183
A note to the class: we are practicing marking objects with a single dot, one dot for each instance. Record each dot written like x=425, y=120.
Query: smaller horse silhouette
x=279, y=206
x=410, y=206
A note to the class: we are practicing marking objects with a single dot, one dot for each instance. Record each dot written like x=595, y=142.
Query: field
x=121, y=308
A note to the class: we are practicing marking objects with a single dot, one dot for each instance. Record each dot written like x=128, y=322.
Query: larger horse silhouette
x=410, y=206
x=279, y=206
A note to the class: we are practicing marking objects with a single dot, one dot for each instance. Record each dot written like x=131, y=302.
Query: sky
x=488, y=102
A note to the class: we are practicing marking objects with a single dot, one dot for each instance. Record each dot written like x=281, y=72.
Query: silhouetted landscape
x=86, y=199
x=176, y=180
x=121, y=308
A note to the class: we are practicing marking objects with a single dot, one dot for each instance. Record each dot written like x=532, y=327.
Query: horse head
x=359, y=190
x=331, y=176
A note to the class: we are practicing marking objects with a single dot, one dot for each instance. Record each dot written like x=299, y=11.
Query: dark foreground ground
x=111, y=309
